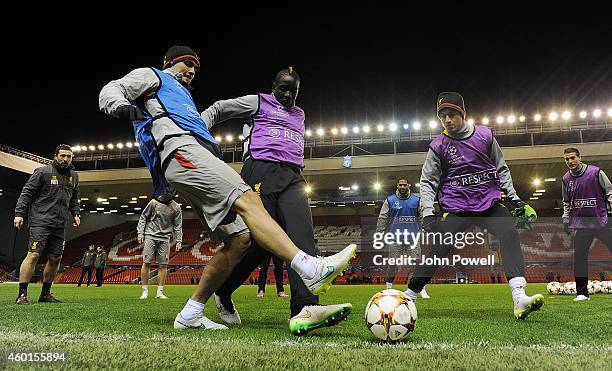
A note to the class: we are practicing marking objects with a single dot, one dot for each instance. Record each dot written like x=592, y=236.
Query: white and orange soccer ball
x=606, y=287
x=554, y=288
x=390, y=315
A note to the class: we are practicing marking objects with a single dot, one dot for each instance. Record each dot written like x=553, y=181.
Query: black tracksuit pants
x=498, y=221
x=582, y=244
x=89, y=270
x=278, y=274
x=281, y=188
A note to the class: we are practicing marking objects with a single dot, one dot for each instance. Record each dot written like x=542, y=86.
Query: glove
x=129, y=112
x=567, y=229
x=429, y=223
x=523, y=214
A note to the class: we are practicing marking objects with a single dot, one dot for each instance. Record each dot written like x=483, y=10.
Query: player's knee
x=54, y=260
x=32, y=257
x=247, y=202
x=241, y=243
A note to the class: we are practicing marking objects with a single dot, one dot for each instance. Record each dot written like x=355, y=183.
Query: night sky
x=358, y=68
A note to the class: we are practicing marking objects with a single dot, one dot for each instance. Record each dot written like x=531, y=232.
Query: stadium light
x=129, y=213
x=93, y=211
x=534, y=198
x=188, y=207
x=113, y=211
x=537, y=117
x=406, y=126
x=522, y=118
x=500, y=119
x=100, y=200
x=106, y=212
x=371, y=204
x=355, y=187
x=133, y=202
x=536, y=194
x=320, y=132
x=416, y=125
x=553, y=116
x=218, y=138
x=597, y=113
x=470, y=122
x=241, y=137
x=366, y=129
x=393, y=126
x=550, y=179
x=120, y=145
x=229, y=138
x=380, y=128
x=100, y=147
x=110, y=146
x=136, y=144
x=566, y=115
x=100, y=208
x=84, y=149
x=511, y=119
x=112, y=197
x=341, y=205
x=128, y=144
x=356, y=129
x=536, y=182
x=583, y=114
x=377, y=186
x=84, y=198
x=76, y=148
x=334, y=131
x=344, y=130
x=105, y=203
x=610, y=112
x=541, y=190
x=308, y=133
x=485, y=121
x=137, y=208
x=134, y=198
x=433, y=124
x=124, y=206
x=308, y=189
x=142, y=196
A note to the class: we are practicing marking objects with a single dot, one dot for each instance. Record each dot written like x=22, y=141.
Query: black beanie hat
x=451, y=100
x=179, y=53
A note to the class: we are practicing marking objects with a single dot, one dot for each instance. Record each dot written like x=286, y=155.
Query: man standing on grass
x=587, y=209
x=156, y=225
x=87, y=264
x=99, y=264
x=51, y=196
x=465, y=170
x=183, y=156
x=399, y=213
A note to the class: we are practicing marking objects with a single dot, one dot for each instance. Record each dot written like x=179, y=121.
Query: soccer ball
x=591, y=287
x=569, y=288
x=606, y=287
x=596, y=286
x=390, y=315
x=553, y=288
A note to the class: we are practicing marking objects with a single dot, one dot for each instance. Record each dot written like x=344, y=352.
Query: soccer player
x=50, y=194
x=183, y=156
x=278, y=277
x=400, y=212
x=465, y=170
x=99, y=264
x=587, y=209
x=273, y=162
x=87, y=264
x=157, y=223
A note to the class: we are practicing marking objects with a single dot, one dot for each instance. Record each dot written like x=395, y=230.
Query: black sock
x=46, y=290
x=23, y=288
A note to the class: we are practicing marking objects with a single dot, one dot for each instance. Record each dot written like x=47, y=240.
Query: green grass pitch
x=467, y=327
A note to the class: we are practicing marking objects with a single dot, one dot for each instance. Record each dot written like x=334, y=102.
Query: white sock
x=389, y=285
x=160, y=290
x=145, y=288
x=192, y=309
x=517, y=284
x=304, y=265
x=411, y=294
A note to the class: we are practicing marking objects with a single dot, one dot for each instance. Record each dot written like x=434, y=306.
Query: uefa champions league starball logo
x=454, y=183
x=452, y=150
x=274, y=133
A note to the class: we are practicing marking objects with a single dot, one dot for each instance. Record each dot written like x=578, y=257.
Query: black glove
x=429, y=223
x=129, y=112
x=567, y=229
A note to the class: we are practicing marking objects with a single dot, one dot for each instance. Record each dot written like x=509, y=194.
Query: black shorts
x=47, y=240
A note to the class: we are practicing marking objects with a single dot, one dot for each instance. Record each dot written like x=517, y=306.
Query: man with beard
x=50, y=195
